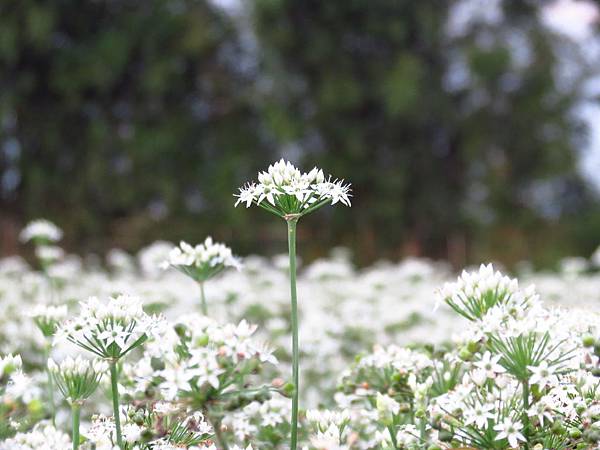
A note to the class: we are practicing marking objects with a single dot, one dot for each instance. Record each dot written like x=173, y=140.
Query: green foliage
x=120, y=117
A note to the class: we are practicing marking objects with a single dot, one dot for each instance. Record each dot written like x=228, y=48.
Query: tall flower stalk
x=291, y=223
x=290, y=194
x=110, y=330
x=46, y=319
x=44, y=234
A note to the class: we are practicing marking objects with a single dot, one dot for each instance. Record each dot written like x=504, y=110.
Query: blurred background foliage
x=126, y=121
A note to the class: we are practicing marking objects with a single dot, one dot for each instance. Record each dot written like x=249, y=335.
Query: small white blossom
x=489, y=364
x=510, y=430
x=542, y=375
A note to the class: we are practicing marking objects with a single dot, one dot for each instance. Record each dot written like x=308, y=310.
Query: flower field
x=191, y=347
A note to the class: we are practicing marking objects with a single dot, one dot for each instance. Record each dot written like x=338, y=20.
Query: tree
x=121, y=113
x=446, y=119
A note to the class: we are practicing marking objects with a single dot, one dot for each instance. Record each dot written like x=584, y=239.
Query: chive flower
x=283, y=190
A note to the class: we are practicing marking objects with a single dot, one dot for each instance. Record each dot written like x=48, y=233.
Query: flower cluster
x=162, y=426
x=475, y=293
x=200, y=358
x=109, y=329
x=520, y=375
x=41, y=231
x=41, y=437
x=9, y=364
x=20, y=405
x=283, y=190
x=517, y=373
x=47, y=318
x=77, y=378
x=265, y=421
x=330, y=427
x=203, y=261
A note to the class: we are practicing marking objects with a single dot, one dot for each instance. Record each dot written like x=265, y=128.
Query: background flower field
x=345, y=312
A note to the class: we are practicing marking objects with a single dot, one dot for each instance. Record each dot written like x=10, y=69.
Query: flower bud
x=588, y=340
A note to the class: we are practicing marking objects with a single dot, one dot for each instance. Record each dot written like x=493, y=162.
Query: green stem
x=525, y=415
x=115, y=398
x=203, y=298
x=76, y=413
x=422, y=429
x=294, y=303
x=50, y=386
x=393, y=436
x=216, y=424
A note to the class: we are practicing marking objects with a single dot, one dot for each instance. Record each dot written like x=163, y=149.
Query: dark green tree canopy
x=134, y=120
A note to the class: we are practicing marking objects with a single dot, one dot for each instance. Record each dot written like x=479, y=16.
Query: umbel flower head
x=9, y=364
x=41, y=231
x=109, y=329
x=47, y=318
x=49, y=254
x=77, y=378
x=42, y=436
x=286, y=192
x=203, y=261
x=475, y=293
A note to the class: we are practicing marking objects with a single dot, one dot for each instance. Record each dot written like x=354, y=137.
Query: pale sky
x=576, y=19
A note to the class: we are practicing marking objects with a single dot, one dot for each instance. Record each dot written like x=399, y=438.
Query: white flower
x=101, y=432
x=407, y=435
x=164, y=408
x=22, y=386
x=284, y=190
x=41, y=229
x=49, y=312
x=77, y=378
x=211, y=352
x=9, y=364
x=543, y=409
x=479, y=415
x=151, y=258
x=176, y=379
x=115, y=334
x=511, y=431
x=49, y=253
x=131, y=432
x=48, y=317
x=542, y=375
x=203, y=261
x=109, y=329
x=328, y=439
x=323, y=419
x=490, y=365
x=387, y=407
x=475, y=293
x=41, y=437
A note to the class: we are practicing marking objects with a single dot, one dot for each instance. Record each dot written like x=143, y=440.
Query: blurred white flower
x=41, y=230
x=41, y=437
x=203, y=261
